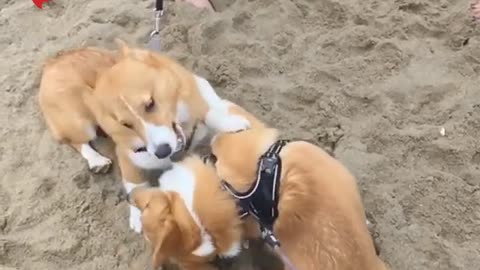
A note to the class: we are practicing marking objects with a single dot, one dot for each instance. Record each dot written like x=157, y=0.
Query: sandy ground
x=372, y=80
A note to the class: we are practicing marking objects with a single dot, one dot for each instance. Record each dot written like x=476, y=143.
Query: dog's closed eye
x=140, y=149
x=126, y=124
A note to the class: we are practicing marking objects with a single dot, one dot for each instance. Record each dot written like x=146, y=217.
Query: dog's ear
x=123, y=48
x=140, y=197
x=189, y=230
x=158, y=257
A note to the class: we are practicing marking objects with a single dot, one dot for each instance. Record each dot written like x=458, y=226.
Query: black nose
x=163, y=151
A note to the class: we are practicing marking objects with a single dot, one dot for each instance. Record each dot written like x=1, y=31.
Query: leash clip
x=270, y=238
x=156, y=30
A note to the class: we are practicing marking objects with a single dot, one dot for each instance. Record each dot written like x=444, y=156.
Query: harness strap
x=261, y=199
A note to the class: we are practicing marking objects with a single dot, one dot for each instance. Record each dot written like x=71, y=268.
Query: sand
x=373, y=81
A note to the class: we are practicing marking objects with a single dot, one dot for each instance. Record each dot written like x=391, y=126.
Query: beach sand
x=372, y=81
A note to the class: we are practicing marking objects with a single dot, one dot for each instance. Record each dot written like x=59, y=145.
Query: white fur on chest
x=182, y=181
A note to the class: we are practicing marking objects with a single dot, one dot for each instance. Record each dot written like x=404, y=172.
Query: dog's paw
x=206, y=247
x=220, y=120
x=99, y=164
x=233, y=251
x=135, y=219
x=234, y=123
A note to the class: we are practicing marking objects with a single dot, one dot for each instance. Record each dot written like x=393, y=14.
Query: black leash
x=159, y=5
x=154, y=42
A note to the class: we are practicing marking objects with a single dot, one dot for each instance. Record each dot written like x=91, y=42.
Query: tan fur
x=85, y=88
x=139, y=76
x=321, y=223
x=67, y=82
x=170, y=229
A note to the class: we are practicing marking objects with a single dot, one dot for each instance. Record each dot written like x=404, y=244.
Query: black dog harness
x=261, y=199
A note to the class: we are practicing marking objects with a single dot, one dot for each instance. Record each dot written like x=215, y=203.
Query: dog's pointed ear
x=140, y=197
x=158, y=257
x=190, y=232
x=123, y=48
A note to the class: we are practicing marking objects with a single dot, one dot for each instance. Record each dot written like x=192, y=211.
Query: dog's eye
x=127, y=125
x=150, y=105
x=211, y=158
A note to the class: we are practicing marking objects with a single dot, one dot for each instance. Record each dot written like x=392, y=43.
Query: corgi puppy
x=67, y=80
x=321, y=219
x=189, y=218
x=148, y=104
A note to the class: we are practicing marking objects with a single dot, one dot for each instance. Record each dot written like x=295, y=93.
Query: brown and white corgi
x=144, y=101
x=321, y=219
x=67, y=79
x=189, y=218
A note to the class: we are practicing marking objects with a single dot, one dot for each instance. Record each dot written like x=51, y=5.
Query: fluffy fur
x=67, y=82
x=145, y=102
x=189, y=219
x=321, y=222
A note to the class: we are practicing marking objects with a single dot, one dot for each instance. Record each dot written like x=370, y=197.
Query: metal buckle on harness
x=269, y=163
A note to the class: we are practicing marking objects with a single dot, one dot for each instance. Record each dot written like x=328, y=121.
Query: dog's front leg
x=218, y=116
x=132, y=177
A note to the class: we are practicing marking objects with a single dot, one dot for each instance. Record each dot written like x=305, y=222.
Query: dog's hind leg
x=76, y=127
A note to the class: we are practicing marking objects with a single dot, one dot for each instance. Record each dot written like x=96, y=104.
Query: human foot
x=476, y=10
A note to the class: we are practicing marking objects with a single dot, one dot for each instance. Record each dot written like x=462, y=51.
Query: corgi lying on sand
x=144, y=101
x=189, y=218
x=311, y=200
x=66, y=79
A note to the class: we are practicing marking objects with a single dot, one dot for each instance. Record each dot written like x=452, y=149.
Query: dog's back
x=66, y=79
x=321, y=222
x=78, y=66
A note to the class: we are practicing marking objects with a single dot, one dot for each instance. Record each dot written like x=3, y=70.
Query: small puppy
x=67, y=82
x=189, y=218
x=144, y=101
x=321, y=220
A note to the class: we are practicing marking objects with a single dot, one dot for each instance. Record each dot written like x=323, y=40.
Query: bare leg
x=476, y=10
x=96, y=162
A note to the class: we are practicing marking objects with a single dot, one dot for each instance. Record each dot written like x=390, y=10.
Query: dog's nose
x=163, y=151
